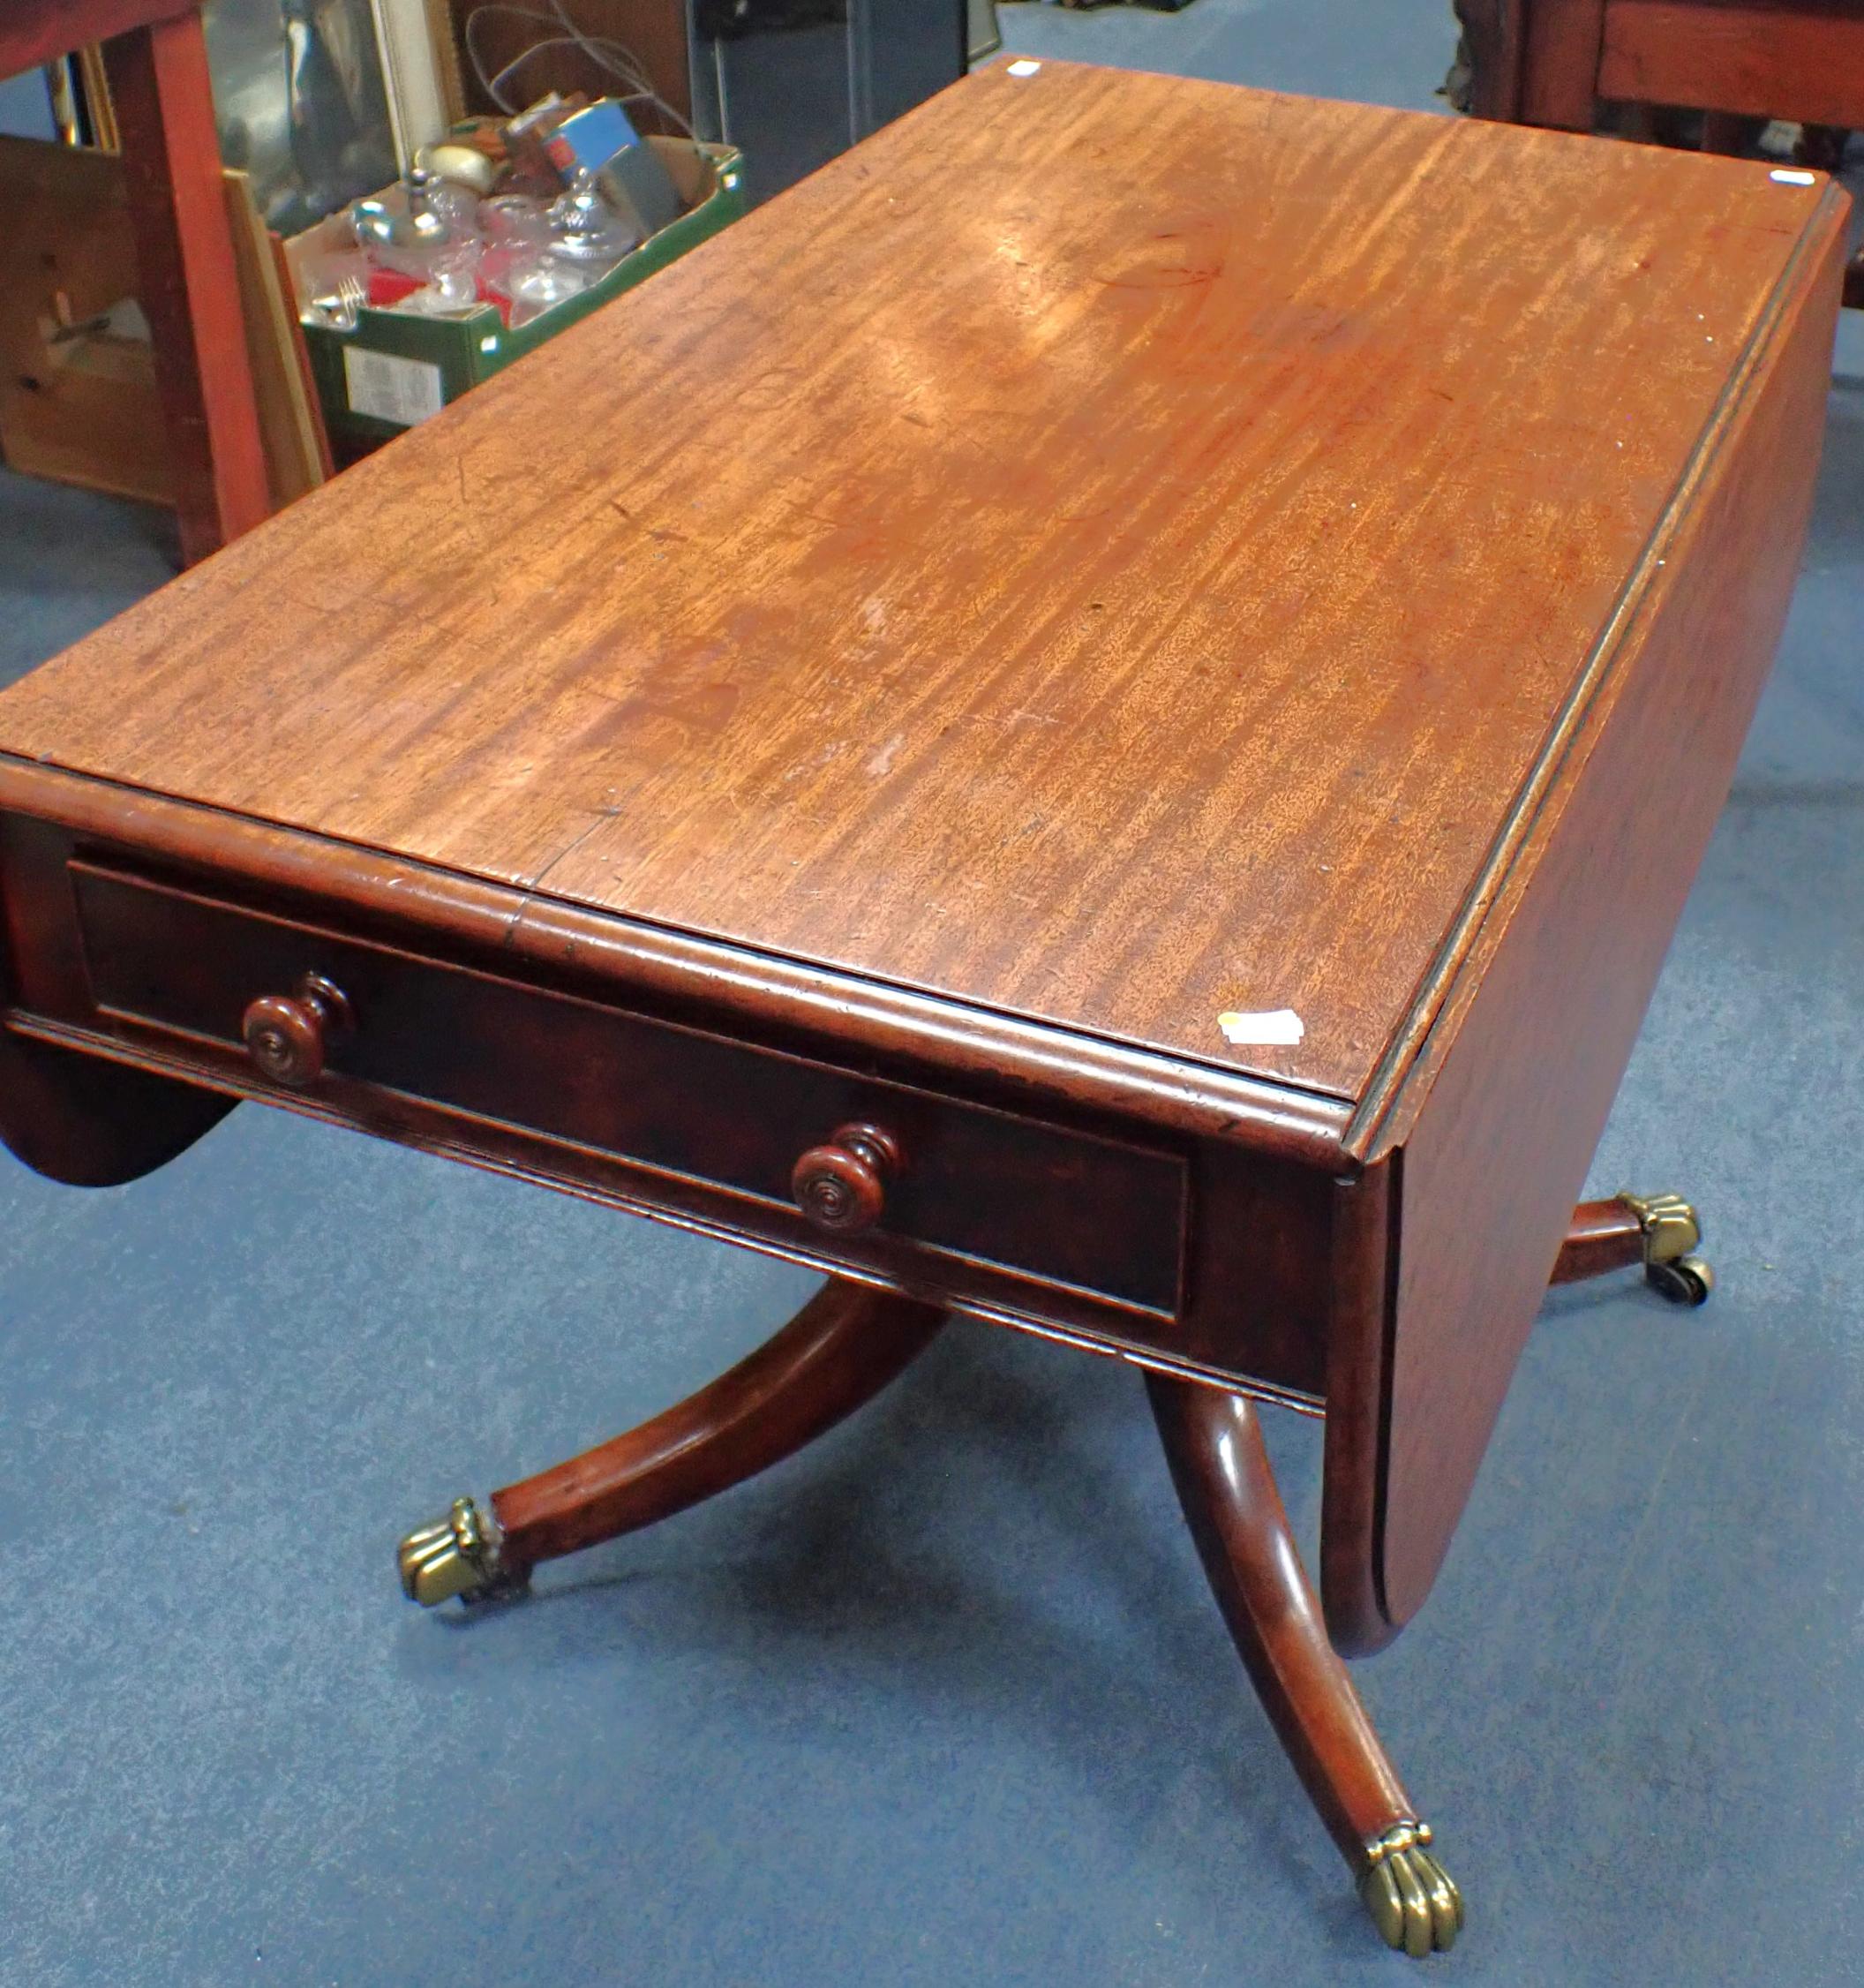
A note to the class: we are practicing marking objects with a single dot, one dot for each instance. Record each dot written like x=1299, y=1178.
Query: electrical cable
x=612, y=57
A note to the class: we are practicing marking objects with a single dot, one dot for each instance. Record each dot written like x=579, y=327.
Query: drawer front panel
x=1062, y=1208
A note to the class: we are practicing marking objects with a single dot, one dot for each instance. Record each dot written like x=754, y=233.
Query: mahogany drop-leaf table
x=1099, y=718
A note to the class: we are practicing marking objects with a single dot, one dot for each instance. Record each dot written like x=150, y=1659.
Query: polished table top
x=1112, y=599
x=1109, y=554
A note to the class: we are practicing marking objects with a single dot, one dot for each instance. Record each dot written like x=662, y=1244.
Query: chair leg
x=1729, y=133
x=843, y=1346
x=1661, y=1232
x=1213, y=1443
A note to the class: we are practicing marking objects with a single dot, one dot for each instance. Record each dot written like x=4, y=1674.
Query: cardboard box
x=396, y=368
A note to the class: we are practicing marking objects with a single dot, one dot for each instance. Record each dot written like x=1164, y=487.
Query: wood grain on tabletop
x=1110, y=547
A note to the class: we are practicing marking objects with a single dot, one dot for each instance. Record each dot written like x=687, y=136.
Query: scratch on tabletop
x=534, y=888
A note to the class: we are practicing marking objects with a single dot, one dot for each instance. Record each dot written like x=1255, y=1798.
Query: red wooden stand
x=155, y=56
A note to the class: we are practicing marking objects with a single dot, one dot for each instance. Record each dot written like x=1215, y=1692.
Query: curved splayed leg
x=1661, y=1232
x=1213, y=1443
x=843, y=1346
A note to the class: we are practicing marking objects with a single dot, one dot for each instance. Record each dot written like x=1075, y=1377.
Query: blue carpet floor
x=942, y=1701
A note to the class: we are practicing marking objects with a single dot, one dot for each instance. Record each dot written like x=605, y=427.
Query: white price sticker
x=1275, y=1028
x=390, y=389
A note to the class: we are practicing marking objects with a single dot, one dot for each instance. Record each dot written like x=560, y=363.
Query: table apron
x=1082, y=1234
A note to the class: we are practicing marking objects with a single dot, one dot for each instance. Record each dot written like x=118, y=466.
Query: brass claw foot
x=456, y=1556
x=1410, y=1896
x=1673, y=1233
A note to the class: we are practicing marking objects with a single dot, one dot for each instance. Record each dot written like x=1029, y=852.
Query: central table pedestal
x=849, y=1341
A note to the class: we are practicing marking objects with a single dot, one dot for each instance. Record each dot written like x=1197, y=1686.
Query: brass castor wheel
x=1673, y=1233
x=1412, y=1899
x=1688, y=1281
x=456, y=1556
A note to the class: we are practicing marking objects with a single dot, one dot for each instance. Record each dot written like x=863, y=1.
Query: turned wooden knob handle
x=288, y=1034
x=842, y=1186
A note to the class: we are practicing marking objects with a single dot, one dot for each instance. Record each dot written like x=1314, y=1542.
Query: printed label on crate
x=391, y=388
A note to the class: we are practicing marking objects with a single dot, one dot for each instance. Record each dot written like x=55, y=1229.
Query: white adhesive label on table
x=1274, y=1029
x=389, y=388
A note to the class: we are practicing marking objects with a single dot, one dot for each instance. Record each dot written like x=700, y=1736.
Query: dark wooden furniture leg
x=1730, y=133
x=1661, y=1232
x=1486, y=76
x=1213, y=1443
x=187, y=282
x=1561, y=43
x=843, y=1346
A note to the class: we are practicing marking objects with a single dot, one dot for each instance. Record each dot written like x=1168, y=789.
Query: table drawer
x=936, y=1174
